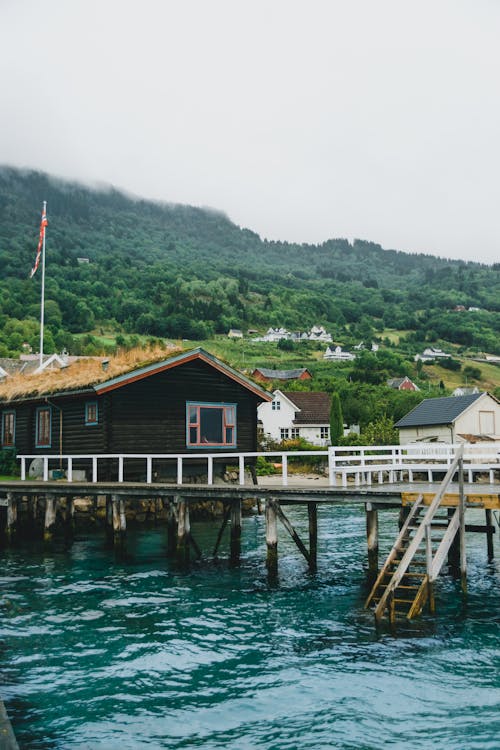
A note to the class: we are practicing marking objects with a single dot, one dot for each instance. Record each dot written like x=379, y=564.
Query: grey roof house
x=452, y=419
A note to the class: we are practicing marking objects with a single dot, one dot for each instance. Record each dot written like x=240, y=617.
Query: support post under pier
x=235, y=545
x=183, y=532
x=271, y=538
x=11, y=525
x=119, y=521
x=372, y=540
x=490, y=530
x=50, y=518
x=312, y=512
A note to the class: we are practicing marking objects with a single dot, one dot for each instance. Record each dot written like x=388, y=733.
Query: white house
x=452, y=419
x=293, y=415
x=338, y=354
x=431, y=353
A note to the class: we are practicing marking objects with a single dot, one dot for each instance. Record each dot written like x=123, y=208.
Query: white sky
x=376, y=119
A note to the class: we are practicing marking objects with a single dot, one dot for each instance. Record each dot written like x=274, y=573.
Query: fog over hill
x=180, y=271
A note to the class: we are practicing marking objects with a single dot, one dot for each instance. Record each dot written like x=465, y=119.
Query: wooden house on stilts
x=191, y=402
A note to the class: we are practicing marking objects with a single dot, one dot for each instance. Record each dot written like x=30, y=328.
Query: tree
x=381, y=432
x=336, y=420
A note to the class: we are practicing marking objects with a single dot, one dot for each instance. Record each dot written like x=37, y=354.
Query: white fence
x=363, y=465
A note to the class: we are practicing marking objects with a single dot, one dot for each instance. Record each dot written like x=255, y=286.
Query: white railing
x=362, y=464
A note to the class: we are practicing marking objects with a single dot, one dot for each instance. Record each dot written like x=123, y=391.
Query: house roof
x=180, y=359
x=314, y=406
x=438, y=410
x=90, y=377
x=281, y=374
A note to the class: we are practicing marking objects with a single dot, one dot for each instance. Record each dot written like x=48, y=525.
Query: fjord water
x=102, y=652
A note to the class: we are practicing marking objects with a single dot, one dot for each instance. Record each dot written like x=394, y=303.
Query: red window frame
x=194, y=425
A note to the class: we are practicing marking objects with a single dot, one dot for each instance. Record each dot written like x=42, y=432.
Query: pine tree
x=336, y=420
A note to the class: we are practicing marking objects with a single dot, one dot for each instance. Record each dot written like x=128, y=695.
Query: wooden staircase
x=405, y=582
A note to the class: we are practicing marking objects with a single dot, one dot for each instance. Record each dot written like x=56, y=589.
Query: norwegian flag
x=43, y=224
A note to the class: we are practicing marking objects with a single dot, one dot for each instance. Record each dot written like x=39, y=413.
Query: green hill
x=183, y=272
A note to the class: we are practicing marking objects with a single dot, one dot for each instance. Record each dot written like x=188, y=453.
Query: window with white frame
x=276, y=405
x=324, y=433
x=285, y=433
x=210, y=425
x=294, y=433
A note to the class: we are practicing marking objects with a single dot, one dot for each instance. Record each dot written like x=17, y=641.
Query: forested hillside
x=183, y=272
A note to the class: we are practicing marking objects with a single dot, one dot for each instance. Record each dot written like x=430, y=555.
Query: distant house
x=190, y=402
x=430, y=354
x=450, y=419
x=463, y=390
x=265, y=375
x=337, y=354
x=82, y=261
x=402, y=384
x=234, y=333
x=297, y=415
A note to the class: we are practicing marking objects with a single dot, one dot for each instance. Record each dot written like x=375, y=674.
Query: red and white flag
x=43, y=224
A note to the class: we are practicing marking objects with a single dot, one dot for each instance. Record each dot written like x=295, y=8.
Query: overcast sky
x=376, y=119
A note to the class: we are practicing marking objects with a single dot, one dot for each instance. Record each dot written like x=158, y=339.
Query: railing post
x=70, y=469
x=120, y=468
x=210, y=469
x=23, y=468
x=149, y=469
x=332, y=478
x=179, y=469
x=94, y=469
x=284, y=469
x=242, y=469
x=45, y=469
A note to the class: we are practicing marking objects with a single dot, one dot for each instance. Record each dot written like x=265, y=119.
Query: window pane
x=229, y=434
x=230, y=415
x=193, y=435
x=193, y=415
x=211, y=425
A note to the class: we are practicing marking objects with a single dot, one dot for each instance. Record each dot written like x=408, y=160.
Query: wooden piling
x=108, y=521
x=312, y=512
x=50, y=518
x=490, y=530
x=69, y=519
x=171, y=528
x=372, y=540
x=119, y=520
x=454, y=551
x=11, y=523
x=183, y=532
x=271, y=537
x=235, y=543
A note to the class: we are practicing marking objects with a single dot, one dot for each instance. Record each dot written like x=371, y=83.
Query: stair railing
x=422, y=531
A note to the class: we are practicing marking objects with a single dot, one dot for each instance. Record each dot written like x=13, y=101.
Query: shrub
x=8, y=463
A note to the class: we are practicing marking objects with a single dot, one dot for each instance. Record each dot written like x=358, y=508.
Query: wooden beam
x=171, y=528
x=288, y=526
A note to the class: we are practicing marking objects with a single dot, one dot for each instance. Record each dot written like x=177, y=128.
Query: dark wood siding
x=150, y=415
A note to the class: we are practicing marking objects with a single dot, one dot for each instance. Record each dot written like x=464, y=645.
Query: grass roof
x=84, y=373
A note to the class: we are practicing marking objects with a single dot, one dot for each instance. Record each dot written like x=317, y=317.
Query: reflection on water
x=100, y=652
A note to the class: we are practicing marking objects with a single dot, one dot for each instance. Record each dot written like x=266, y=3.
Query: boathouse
x=190, y=402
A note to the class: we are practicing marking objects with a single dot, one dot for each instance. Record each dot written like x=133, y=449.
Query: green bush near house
x=8, y=462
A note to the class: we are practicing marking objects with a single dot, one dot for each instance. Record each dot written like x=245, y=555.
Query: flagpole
x=42, y=302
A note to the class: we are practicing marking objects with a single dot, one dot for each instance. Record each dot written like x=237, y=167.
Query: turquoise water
x=98, y=652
